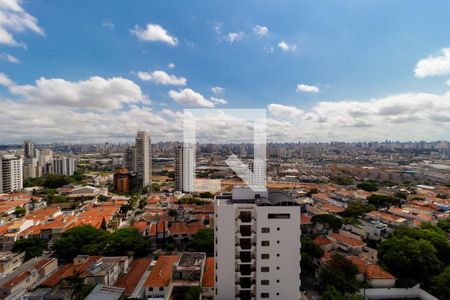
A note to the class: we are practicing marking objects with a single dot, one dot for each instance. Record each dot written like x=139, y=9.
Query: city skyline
x=319, y=81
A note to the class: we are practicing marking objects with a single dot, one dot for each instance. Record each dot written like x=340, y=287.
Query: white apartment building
x=184, y=168
x=143, y=158
x=11, y=178
x=257, y=245
x=64, y=166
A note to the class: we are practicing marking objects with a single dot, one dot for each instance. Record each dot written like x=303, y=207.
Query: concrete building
x=257, y=245
x=11, y=174
x=184, y=168
x=64, y=166
x=143, y=159
x=31, y=168
x=122, y=181
x=28, y=149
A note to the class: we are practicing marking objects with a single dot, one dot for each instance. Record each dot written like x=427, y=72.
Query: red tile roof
x=208, y=274
x=349, y=241
x=130, y=280
x=161, y=273
x=69, y=270
x=322, y=241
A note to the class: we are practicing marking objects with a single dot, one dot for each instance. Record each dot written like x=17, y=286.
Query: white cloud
x=448, y=82
x=161, y=77
x=9, y=58
x=154, y=33
x=284, y=110
x=217, y=90
x=108, y=24
x=5, y=81
x=14, y=19
x=218, y=100
x=190, y=97
x=95, y=93
x=285, y=47
x=234, y=36
x=304, y=88
x=260, y=30
x=171, y=66
x=434, y=65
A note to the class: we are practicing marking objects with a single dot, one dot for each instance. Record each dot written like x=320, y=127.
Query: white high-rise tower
x=143, y=158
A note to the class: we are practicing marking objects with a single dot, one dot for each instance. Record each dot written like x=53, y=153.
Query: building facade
x=184, y=168
x=142, y=149
x=64, y=166
x=11, y=176
x=257, y=245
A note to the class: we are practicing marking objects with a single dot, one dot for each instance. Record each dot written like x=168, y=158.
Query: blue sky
x=346, y=51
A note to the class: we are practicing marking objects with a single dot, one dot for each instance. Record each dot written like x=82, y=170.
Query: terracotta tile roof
x=326, y=256
x=376, y=272
x=332, y=208
x=208, y=274
x=69, y=270
x=161, y=273
x=322, y=241
x=349, y=241
x=160, y=227
x=186, y=228
x=385, y=216
x=141, y=226
x=130, y=280
x=16, y=280
x=305, y=219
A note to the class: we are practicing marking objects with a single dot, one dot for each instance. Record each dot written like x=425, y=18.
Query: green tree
x=407, y=258
x=356, y=209
x=203, y=241
x=124, y=208
x=311, y=249
x=380, y=201
x=339, y=273
x=19, y=212
x=441, y=284
x=331, y=293
x=328, y=221
x=193, y=293
x=369, y=186
x=33, y=247
x=172, y=212
x=155, y=187
x=128, y=241
x=80, y=240
x=206, y=195
x=444, y=224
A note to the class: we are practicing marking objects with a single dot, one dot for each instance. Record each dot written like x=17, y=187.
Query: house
x=183, y=231
x=93, y=269
x=136, y=274
x=26, y=277
x=9, y=261
x=324, y=243
x=346, y=243
x=160, y=276
x=372, y=274
x=103, y=292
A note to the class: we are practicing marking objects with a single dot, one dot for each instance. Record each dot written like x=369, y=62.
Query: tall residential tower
x=257, y=245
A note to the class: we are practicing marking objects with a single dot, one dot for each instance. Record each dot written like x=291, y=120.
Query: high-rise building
x=130, y=159
x=63, y=166
x=28, y=149
x=10, y=174
x=31, y=168
x=142, y=150
x=257, y=245
x=184, y=168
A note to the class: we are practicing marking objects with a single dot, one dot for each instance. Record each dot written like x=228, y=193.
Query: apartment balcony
x=245, y=295
x=245, y=230
x=245, y=257
x=239, y=222
x=246, y=283
x=245, y=243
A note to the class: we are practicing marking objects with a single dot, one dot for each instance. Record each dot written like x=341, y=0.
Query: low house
x=346, y=243
x=372, y=274
x=9, y=261
x=26, y=277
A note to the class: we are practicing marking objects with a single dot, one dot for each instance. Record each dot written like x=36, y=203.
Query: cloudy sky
x=354, y=70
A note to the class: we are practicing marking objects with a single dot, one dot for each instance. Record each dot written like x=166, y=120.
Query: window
x=278, y=254
x=278, y=268
x=150, y=289
x=265, y=230
x=265, y=269
x=265, y=243
x=279, y=216
x=161, y=289
x=278, y=228
x=278, y=294
x=278, y=280
x=264, y=282
x=278, y=242
x=265, y=256
x=264, y=295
